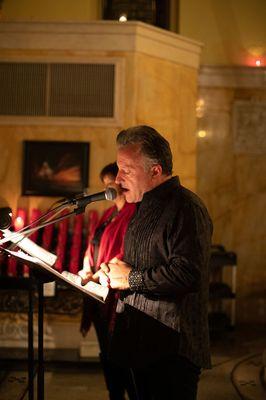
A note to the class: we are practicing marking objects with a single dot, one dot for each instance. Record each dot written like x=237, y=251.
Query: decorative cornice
x=101, y=36
x=233, y=77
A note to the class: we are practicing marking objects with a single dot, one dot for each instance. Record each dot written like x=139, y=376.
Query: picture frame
x=55, y=168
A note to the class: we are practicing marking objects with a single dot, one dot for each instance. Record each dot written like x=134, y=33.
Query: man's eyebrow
x=125, y=166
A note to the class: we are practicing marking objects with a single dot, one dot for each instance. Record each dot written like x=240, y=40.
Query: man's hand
x=86, y=276
x=103, y=278
x=98, y=277
x=86, y=273
x=117, y=272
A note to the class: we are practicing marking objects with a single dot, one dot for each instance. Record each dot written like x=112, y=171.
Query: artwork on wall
x=52, y=168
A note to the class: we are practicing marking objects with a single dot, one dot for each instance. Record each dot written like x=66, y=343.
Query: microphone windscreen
x=110, y=193
x=5, y=217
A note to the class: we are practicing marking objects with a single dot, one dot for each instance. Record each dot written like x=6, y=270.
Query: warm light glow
x=200, y=108
x=18, y=223
x=122, y=18
x=258, y=63
x=202, y=133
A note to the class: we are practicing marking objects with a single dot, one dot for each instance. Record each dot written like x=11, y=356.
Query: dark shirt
x=168, y=244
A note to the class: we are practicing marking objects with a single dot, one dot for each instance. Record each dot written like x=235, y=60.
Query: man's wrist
x=135, y=280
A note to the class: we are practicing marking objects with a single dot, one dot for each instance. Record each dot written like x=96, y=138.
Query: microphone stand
x=23, y=233
x=27, y=231
x=80, y=203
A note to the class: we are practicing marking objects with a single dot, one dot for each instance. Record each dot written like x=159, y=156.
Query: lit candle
x=122, y=18
x=19, y=223
x=20, y=219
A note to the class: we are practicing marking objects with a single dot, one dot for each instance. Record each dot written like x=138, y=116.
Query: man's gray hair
x=152, y=145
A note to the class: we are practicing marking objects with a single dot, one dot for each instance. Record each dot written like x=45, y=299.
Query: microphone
x=81, y=202
x=5, y=217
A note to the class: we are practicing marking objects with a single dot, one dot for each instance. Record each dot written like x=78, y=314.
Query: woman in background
x=107, y=242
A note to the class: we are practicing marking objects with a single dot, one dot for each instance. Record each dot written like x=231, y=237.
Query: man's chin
x=129, y=197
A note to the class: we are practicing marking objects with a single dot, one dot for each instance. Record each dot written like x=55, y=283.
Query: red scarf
x=112, y=240
x=111, y=245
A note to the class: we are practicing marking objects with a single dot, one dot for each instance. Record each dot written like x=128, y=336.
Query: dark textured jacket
x=168, y=245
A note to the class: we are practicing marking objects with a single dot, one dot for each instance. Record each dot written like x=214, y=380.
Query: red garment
x=111, y=245
x=112, y=240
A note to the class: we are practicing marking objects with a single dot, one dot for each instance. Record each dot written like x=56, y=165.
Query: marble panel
x=249, y=127
x=14, y=330
x=250, y=173
x=232, y=183
x=14, y=333
x=166, y=95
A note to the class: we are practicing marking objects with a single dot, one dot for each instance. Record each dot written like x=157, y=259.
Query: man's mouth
x=124, y=190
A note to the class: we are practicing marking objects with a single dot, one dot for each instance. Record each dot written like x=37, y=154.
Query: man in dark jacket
x=161, y=329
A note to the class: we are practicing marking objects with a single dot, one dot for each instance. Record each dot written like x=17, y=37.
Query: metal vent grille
x=57, y=90
x=22, y=89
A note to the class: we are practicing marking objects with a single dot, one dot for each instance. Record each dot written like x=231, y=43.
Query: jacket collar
x=161, y=192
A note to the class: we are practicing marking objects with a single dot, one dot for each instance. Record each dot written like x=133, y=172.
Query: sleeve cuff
x=135, y=280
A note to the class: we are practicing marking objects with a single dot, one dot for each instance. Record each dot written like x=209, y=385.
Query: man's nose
x=118, y=178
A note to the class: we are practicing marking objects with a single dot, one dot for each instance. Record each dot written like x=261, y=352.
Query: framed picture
x=55, y=168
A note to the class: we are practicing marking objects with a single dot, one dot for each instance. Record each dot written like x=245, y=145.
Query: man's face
x=132, y=176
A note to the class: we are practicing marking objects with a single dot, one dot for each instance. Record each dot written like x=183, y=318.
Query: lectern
x=41, y=273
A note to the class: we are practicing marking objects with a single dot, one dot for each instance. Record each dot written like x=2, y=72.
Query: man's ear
x=156, y=171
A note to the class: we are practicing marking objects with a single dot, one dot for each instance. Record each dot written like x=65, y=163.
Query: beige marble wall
x=158, y=87
x=150, y=98
x=232, y=183
x=165, y=99
x=155, y=88
x=11, y=140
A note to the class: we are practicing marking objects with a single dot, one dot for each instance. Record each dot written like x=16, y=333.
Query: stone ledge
x=232, y=77
x=101, y=36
